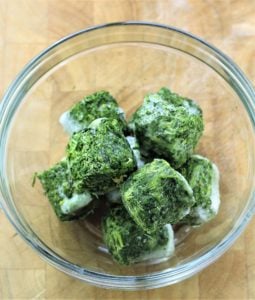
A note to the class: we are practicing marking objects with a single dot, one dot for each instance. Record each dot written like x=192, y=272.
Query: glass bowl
x=128, y=59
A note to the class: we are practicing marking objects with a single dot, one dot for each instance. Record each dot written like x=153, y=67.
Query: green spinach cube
x=100, y=157
x=203, y=177
x=156, y=195
x=168, y=126
x=128, y=243
x=98, y=105
x=58, y=186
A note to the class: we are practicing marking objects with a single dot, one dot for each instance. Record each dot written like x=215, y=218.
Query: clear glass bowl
x=128, y=59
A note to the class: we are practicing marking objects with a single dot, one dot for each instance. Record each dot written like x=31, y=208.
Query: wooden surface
x=28, y=26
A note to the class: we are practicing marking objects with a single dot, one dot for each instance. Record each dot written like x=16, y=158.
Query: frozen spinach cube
x=168, y=126
x=203, y=177
x=58, y=187
x=97, y=105
x=128, y=243
x=156, y=195
x=100, y=157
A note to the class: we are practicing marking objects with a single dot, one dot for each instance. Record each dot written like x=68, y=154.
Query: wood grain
x=28, y=26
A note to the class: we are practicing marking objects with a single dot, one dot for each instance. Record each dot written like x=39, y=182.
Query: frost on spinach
x=168, y=126
x=97, y=105
x=113, y=196
x=136, y=150
x=156, y=195
x=58, y=186
x=100, y=157
x=127, y=243
x=203, y=177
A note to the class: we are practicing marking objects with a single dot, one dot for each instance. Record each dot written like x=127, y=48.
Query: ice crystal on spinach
x=168, y=126
x=97, y=105
x=127, y=243
x=156, y=195
x=58, y=186
x=100, y=157
x=113, y=196
x=203, y=177
x=136, y=150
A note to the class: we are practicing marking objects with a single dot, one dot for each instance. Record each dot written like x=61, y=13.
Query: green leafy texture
x=199, y=172
x=58, y=187
x=168, y=126
x=97, y=105
x=100, y=157
x=127, y=243
x=156, y=195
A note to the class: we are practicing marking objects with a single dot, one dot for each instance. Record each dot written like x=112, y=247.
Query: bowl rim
x=152, y=280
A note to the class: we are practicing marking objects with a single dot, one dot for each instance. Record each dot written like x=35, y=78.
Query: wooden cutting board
x=28, y=26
